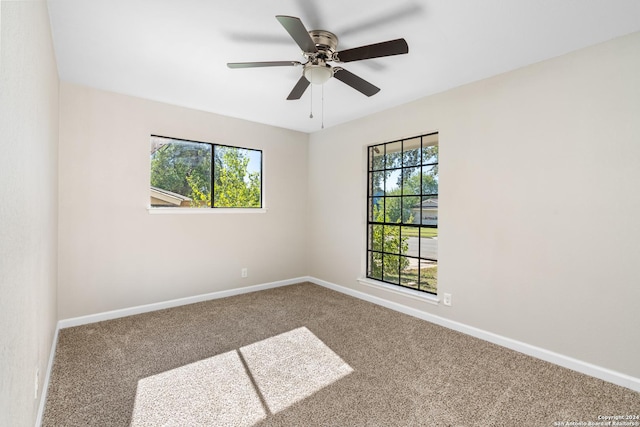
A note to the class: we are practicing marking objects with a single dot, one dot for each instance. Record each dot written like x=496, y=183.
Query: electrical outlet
x=447, y=300
x=244, y=272
x=37, y=383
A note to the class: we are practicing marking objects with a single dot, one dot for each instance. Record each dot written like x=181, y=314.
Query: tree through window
x=202, y=175
x=402, y=212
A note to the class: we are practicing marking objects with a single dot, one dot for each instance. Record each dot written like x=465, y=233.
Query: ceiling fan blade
x=298, y=32
x=263, y=64
x=355, y=82
x=377, y=50
x=299, y=88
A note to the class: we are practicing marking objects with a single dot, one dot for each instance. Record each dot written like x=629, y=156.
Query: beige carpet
x=303, y=355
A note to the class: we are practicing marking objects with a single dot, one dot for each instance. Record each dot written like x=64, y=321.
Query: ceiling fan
x=319, y=48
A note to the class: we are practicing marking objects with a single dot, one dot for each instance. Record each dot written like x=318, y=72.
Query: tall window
x=402, y=211
x=189, y=174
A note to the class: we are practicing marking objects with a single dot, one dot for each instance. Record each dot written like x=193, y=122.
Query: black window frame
x=373, y=199
x=212, y=181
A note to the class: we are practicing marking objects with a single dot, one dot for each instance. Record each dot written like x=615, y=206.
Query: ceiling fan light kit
x=318, y=74
x=319, y=48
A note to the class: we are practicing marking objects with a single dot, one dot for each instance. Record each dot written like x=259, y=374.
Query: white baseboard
x=530, y=350
x=45, y=385
x=586, y=368
x=115, y=314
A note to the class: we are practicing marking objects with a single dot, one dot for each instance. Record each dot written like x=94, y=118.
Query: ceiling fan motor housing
x=325, y=41
x=316, y=70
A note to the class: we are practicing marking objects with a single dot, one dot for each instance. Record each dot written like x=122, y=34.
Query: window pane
x=404, y=241
x=391, y=265
x=180, y=173
x=370, y=209
x=393, y=209
x=412, y=152
x=237, y=178
x=370, y=186
x=430, y=179
x=377, y=210
x=392, y=182
x=376, y=233
x=377, y=184
x=409, y=272
x=393, y=155
x=375, y=265
x=411, y=181
x=411, y=210
x=410, y=238
x=391, y=239
x=429, y=211
x=376, y=156
x=428, y=243
x=430, y=149
x=428, y=276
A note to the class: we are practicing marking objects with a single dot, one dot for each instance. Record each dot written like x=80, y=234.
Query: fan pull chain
x=311, y=107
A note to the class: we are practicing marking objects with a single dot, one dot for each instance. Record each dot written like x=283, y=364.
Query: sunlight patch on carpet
x=214, y=391
x=292, y=366
x=242, y=387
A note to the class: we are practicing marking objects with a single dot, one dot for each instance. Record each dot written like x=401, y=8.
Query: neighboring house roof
x=429, y=203
x=168, y=196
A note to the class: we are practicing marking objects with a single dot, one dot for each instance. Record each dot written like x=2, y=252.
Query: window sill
x=204, y=211
x=405, y=292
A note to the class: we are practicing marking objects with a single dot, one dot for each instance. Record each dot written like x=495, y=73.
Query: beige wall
x=562, y=134
x=524, y=158
x=28, y=206
x=114, y=254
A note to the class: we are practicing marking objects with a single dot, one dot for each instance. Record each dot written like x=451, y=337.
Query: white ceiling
x=175, y=51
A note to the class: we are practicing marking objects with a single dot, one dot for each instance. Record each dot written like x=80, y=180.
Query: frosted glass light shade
x=318, y=74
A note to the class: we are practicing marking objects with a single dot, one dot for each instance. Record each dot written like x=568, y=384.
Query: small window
x=402, y=213
x=190, y=174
